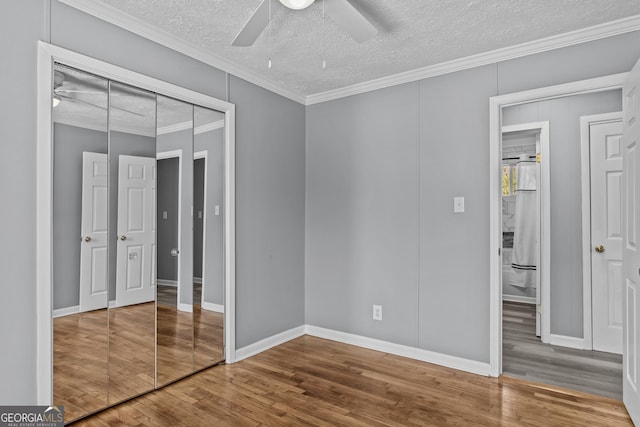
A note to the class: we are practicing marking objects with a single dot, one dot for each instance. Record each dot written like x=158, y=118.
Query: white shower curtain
x=525, y=239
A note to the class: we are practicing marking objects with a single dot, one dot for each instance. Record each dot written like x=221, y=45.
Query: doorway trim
x=543, y=279
x=165, y=155
x=47, y=55
x=496, y=104
x=585, y=156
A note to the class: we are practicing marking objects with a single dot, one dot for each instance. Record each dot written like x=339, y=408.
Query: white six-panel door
x=136, y=253
x=94, y=222
x=631, y=252
x=605, y=142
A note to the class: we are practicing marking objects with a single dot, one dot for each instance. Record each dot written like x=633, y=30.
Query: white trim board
x=565, y=341
x=269, y=342
x=218, y=308
x=165, y=282
x=137, y=26
x=496, y=104
x=520, y=299
x=440, y=359
x=61, y=312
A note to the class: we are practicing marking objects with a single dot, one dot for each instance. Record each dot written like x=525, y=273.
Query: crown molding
x=135, y=25
x=596, y=32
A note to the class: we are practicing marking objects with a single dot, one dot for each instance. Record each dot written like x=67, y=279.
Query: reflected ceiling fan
x=342, y=12
x=60, y=93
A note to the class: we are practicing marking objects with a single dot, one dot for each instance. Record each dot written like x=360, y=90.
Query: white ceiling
x=412, y=34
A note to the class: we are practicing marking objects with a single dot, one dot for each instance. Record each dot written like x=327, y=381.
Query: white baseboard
x=565, y=341
x=475, y=367
x=218, y=308
x=267, y=343
x=185, y=307
x=165, y=282
x=60, y=312
x=518, y=298
x=112, y=304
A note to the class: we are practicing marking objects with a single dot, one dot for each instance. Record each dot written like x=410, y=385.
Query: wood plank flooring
x=94, y=368
x=525, y=356
x=311, y=381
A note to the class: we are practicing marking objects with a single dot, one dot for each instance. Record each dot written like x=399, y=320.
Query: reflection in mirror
x=174, y=302
x=132, y=217
x=208, y=242
x=80, y=241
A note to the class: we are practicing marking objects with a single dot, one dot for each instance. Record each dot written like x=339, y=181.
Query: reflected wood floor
x=525, y=356
x=80, y=357
x=311, y=381
x=87, y=377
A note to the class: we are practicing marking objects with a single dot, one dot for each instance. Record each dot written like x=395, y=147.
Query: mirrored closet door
x=138, y=248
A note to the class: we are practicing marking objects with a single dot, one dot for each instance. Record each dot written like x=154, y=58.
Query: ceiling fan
x=342, y=11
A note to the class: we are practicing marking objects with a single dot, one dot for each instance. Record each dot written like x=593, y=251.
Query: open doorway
x=546, y=331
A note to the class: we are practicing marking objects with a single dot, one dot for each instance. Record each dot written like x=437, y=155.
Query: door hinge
x=539, y=308
x=499, y=251
x=538, y=157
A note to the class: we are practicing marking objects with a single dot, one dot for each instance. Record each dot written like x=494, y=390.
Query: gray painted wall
x=22, y=23
x=272, y=152
x=362, y=214
x=183, y=140
x=445, y=299
x=167, y=231
x=213, y=142
x=566, y=199
x=270, y=197
x=69, y=143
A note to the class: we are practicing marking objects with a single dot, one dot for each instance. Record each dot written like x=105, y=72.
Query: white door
x=605, y=146
x=631, y=252
x=136, y=254
x=93, y=232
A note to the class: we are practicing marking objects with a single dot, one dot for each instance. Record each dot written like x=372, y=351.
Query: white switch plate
x=164, y=214
x=217, y=210
x=377, y=312
x=458, y=204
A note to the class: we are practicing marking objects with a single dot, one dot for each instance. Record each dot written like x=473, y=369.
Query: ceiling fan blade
x=79, y=91
x=254, y=26
x=350, y=19
x=70, y=98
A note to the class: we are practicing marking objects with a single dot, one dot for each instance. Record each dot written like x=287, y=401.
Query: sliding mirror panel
x=132, y=254
x=174, y=309
x=80, y=241
x=208, y=239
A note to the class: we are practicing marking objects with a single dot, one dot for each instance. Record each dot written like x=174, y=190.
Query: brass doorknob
x=87, y=239
x=599, y=248
x=123, y=237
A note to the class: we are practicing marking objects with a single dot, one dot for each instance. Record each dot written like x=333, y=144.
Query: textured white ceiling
x=412, y=33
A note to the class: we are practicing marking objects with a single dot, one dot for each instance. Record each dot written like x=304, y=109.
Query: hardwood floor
x=525, y=356
x=311, y=381
x=94, y=368
x=80, y=372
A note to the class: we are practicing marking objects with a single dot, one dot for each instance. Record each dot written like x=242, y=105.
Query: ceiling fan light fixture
x=297, y=4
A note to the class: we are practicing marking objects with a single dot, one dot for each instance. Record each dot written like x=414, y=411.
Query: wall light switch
x=217, y=210
x=458, y=204
x=164, y=214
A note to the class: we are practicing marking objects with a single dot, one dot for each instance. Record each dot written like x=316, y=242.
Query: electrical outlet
x=377, y=312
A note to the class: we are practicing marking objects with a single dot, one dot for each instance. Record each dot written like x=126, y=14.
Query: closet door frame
x=49, y=54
